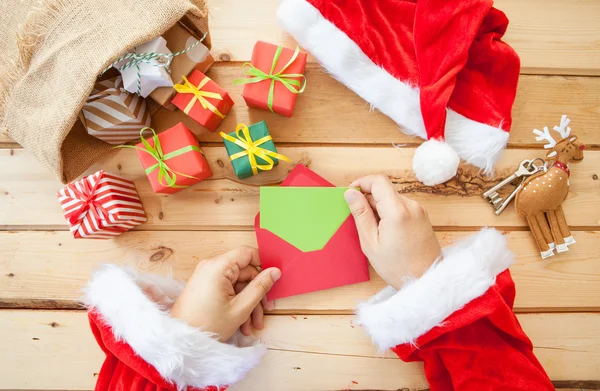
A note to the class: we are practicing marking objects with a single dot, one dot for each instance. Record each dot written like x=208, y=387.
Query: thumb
x=366, y=223
x=248, y=299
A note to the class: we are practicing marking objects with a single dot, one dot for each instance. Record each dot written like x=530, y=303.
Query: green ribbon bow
x=163, y=60
x=166, y=176
x=295, y=86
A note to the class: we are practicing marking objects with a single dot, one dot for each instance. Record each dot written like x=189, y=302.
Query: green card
x=305, y=217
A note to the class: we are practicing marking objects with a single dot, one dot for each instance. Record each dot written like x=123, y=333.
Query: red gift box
x=101, y=206
x=256, y=94
x=183, y=160
x=203, y=100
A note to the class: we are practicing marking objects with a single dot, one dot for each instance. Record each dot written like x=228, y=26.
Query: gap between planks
x=211, y=144
x=27, y=191
x=349, y=145
x=570, y=385
x=72, y=306
x=246, y=228
x=50, y=269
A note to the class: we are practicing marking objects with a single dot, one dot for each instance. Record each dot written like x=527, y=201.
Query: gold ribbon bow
x=199, y=95
x=252, y=149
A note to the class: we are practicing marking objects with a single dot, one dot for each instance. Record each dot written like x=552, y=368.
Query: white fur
x=181, y=354
x=345, y=61
x=435, y=162
x=476, y=143
x=467, y=270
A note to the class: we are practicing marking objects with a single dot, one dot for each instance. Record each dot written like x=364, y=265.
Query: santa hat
x=436, y=67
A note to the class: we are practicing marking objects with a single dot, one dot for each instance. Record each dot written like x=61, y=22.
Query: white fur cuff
x=475, y=142
x=467, y=270
x=181, y=354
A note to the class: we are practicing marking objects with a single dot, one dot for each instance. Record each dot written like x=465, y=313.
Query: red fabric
x=563, y=167
x=480, y=347
x=450, y=49
x=340, y=262
x=123, y=369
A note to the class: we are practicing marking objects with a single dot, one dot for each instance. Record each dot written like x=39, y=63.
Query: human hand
x=227, y=293
x=394, y=231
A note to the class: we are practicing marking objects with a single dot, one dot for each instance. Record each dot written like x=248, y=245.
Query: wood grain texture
x=329, y=113
x=554, y=37
x=333, y=132
x=49, y=269
x=550, y=36
x=27, y=190
x=305, y=353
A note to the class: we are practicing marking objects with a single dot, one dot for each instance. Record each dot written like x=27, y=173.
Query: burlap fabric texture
x=51, y=53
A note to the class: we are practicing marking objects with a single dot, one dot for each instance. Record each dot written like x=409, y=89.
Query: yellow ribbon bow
x=199, y=95
x=252, y=149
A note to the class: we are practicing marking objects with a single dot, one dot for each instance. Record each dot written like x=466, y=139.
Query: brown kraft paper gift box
x=113, y=115
x=198, y=58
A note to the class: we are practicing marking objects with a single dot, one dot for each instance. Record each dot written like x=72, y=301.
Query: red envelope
x=340, y=262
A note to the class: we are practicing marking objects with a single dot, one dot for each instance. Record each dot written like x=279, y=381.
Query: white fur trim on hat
x=475, y=142
x=181, y=354
x=435, y=162
x=467, y=270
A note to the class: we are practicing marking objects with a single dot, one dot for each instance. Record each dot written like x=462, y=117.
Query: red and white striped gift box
x=101, y=206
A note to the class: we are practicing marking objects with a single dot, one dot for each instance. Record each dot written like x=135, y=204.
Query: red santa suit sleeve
x=458, y=319
x=146, y=349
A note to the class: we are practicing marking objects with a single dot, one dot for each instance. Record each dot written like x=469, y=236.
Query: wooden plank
x=27, y=190
x=305, y=353
x=554, y=37
x=49, y=269
x=550, y=36
x=541, y=100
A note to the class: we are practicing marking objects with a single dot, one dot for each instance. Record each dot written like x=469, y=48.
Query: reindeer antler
x=545, y=135
x=563, y=128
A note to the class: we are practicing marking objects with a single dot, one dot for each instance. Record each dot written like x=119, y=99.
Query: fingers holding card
x=305, y=229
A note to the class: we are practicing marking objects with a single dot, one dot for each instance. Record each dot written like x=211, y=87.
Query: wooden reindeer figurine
x=541, y=196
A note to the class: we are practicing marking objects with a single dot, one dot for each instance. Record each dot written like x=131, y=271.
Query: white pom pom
x=435, y=162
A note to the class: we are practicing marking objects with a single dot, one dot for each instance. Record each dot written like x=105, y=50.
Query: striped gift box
x=114, y=115
x=101, y=206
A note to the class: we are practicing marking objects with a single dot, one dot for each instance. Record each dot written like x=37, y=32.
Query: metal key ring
x=543, y=166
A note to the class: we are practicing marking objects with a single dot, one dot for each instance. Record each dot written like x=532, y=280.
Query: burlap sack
x=51, y=52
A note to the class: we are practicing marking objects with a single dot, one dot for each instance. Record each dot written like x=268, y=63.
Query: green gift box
x=251, y=149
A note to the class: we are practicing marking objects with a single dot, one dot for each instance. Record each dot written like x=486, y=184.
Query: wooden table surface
x=313, y=345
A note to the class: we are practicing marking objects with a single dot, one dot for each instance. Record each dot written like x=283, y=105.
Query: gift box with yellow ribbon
x=203, y=100
x=274, y=78
x=198, y=57
x=251, y=149
x=172, y=159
